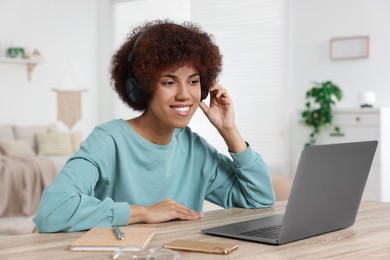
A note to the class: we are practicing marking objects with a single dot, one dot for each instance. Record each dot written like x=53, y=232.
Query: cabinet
x=30, y=63
x=360, y=125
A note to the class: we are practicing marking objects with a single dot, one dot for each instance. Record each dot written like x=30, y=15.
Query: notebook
x=325, y=196
x=105, y=239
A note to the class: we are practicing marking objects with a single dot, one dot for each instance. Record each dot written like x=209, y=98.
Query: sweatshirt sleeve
x=69, y=203
x=243, y=182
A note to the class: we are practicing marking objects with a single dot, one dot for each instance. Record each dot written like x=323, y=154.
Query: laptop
x=325, y=196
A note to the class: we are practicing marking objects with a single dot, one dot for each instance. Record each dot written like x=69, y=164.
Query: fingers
x=216, y=90
x=187, y=214
x=203, y=106
x=167, y=210
x=219, y=93
x=182, y=212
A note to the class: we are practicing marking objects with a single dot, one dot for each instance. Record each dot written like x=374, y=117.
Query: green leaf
x=324, y=95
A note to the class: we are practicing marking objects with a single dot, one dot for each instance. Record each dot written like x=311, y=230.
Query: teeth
x=181, y=109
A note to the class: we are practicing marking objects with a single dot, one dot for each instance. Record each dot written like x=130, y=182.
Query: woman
x=153, y=168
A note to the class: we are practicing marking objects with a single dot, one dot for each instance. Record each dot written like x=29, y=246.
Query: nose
x=182, y=92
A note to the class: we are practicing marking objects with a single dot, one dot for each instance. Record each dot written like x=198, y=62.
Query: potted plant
x=318, y=113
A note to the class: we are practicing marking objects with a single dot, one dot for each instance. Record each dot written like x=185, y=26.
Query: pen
x=119, y=233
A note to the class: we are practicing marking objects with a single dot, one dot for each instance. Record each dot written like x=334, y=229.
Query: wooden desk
x=368, y=238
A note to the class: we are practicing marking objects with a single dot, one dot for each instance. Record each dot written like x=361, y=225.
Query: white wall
x=65, y=32
x=77, y=33
x=313, y=24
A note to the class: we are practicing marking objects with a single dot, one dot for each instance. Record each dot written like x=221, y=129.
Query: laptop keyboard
x=268, y=232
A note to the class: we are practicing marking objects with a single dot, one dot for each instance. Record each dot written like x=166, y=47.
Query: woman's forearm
x=234, y=140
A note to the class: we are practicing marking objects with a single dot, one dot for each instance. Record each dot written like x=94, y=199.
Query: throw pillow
x=6, y=132
x=18, y=148
x=28, y=133
x=54, y=143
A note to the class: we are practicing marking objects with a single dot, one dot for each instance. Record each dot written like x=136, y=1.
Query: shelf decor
x=31, y=62
x=354, y=47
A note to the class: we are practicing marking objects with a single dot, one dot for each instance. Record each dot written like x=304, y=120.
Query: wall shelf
x=30, y=63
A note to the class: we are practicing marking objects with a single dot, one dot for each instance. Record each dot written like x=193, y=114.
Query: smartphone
x=202, y=247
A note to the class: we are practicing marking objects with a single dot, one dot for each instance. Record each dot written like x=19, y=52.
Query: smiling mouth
x=182, y=110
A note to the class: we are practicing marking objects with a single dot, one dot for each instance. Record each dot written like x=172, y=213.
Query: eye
x=194, y=82
x=168, y=83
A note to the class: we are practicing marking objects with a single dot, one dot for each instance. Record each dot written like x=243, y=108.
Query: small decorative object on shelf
x=16, y=53
x=367, y=99
x=19, y=55
x=318, y=113
x=35, y=54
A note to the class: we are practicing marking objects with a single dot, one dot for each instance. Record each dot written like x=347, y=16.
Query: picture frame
x=353, y=47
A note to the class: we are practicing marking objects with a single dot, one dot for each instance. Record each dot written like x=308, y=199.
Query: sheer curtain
x=252, y=36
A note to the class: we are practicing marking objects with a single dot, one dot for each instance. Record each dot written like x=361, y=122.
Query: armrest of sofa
x=282, y=186
x=59, y=161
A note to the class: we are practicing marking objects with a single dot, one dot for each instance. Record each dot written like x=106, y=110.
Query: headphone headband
x=133, y=91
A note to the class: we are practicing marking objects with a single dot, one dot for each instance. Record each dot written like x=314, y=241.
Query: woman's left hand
x=220, y=112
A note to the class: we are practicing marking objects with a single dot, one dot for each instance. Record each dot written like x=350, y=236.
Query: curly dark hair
x=164, y=45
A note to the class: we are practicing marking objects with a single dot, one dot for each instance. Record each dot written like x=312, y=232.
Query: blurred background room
x=274, y=52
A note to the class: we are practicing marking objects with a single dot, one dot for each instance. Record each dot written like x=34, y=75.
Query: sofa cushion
x=18, y=148
x=28, y=133
x=54, y=143
x=6, y=132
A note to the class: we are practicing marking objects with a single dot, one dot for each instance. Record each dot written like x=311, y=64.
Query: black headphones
x=133, y=91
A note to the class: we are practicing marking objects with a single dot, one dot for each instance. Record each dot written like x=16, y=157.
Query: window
x=252, y=36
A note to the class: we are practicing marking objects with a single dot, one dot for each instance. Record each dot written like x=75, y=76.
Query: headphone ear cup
x=204, y=92
x=133, y=92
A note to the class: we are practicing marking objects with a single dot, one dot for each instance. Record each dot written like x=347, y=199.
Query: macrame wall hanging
x=69, y=102
x=69, y=106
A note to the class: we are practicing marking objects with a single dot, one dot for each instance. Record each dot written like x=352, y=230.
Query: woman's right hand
x=162, y=211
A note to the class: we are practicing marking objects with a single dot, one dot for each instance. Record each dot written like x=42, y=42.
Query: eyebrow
x=174, y=76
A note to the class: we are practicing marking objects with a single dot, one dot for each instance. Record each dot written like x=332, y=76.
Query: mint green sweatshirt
x=116, y=167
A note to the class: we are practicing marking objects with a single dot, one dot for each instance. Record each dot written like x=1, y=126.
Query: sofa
x=31, y=156
x=30, y=159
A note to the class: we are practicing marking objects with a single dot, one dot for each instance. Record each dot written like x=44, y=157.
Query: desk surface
x=368, y=238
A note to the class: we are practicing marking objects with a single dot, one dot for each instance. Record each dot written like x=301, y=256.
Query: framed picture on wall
x=354, y=47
